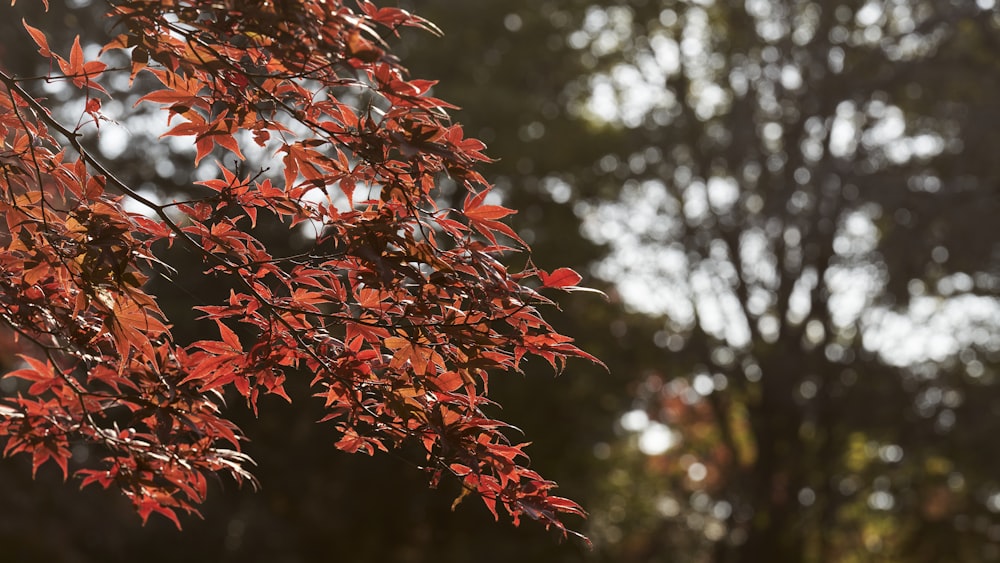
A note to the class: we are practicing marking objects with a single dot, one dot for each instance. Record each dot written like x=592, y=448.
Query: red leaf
x=148, y=506
x=484, y=217
x=39, y=370
x=228, y=141
x=76, y=58
x=39, y=38
x=449, y=381
x=229, y=337
x=204, y=146
x=352, y=442
x=42, y=453
x=563, y=277
x=93, y=69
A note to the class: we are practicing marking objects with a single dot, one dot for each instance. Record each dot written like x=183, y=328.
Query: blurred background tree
x=793, y=205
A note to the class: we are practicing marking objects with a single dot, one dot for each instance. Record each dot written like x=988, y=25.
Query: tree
x=912, y=145
x=803, y=184
x=397, y=308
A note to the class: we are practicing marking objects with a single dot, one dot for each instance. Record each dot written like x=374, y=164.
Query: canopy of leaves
x=399, y=309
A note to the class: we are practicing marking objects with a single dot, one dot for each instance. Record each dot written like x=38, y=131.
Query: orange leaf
x=449, y=381
x=39, y=37
x=76, y=57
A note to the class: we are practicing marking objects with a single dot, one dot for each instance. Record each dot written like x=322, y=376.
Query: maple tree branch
x=422, y=318
x=49, y=79
x=73, y=138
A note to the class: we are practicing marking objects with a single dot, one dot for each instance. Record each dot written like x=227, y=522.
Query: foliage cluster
x=399, y=310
